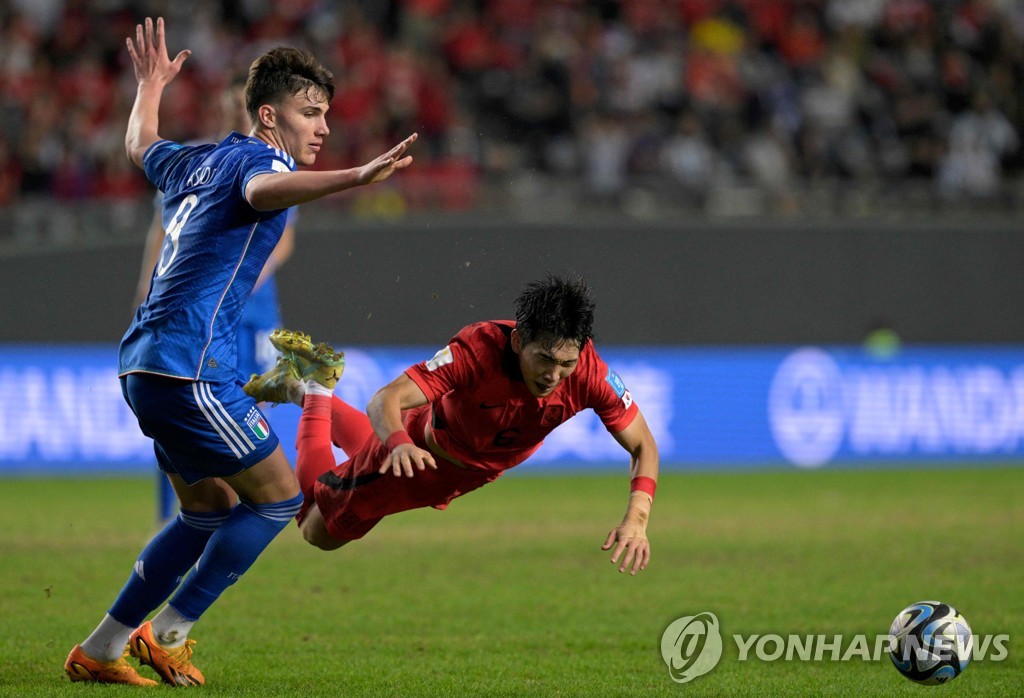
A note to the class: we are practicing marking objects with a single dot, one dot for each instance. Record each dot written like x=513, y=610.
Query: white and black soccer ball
x=930, y=642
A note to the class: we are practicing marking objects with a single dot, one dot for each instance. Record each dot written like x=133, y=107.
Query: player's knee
x=209, y=495
x=277, y=514
x=315, y=533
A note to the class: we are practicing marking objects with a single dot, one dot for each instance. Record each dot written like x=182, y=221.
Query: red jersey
x=486, y=417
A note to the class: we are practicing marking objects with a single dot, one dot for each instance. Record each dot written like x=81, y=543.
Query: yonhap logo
x=691, y=646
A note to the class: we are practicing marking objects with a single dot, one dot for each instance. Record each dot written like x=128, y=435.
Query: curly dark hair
x=556, y=309
x=283, y=72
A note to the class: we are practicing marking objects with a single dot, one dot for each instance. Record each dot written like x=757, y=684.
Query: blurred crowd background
x=731, y=107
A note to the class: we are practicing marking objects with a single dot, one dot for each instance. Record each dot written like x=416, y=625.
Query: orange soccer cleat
x=174, y=665
x=82, y=667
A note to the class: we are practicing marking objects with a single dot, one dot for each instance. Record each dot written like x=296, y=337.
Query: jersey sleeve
x=610, y=398
x=164, y=161
x=265, y=160
x=451, y=367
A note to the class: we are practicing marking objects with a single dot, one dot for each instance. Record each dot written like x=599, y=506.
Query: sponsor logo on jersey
x=257, y=424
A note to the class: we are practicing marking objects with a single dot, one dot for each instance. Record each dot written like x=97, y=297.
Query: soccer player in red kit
x=447, y=426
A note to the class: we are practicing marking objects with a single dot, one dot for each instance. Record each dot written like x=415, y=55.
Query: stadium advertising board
x=807, y=407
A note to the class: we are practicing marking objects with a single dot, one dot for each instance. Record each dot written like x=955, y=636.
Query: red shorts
x=353, y=497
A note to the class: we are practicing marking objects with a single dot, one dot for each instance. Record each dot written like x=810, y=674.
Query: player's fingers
x=140, y=38
x=161, y=44
x=180, y=58
x=608, y=541
x=150, y=41
x=646, y=557
x=400, y=148
x=403, y=163
x=618, y=551
x=404, y=466
x=378, y=167
x=638, y=560
x=628, y=558
x=131, y=50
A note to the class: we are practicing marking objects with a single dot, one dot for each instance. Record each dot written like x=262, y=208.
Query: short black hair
x=283, y=72
x=555, y=309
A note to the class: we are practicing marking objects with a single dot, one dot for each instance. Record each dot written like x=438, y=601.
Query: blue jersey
x=215, y=247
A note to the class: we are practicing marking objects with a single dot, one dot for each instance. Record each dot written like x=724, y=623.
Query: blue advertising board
x=61, y=408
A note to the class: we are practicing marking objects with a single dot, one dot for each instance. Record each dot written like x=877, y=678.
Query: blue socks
x=231, y=551
x=163, y=563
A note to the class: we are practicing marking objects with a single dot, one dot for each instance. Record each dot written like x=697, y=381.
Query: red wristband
x=397, y=438
x=643, y=484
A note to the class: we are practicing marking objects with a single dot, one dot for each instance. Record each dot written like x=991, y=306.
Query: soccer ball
x=930, y=642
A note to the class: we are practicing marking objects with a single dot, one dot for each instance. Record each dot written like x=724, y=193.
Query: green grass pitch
x=508, y=594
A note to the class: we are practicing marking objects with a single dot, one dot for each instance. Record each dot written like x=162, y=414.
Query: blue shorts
x=199, y=429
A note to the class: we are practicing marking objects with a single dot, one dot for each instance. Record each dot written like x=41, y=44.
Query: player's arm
x=153, y=71
x=385, y=413
x=282, y=251
x=150, y=256
x=276, y=190
x=629, y=538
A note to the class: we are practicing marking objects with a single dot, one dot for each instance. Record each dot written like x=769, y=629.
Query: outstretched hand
x=629, y=538
x=381, y=168
x=149, y=54
x=404, y=458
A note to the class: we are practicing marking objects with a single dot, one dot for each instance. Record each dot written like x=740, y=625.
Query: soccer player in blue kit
x=224, y=210
x=262, y=313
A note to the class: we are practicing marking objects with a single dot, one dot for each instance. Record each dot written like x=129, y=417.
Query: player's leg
x=314, y=455
x=301, y=362
x=353, y=497
x=207, y=431
x=157, y=571
x=268, y=499
x=350, y=428
x=314, y=531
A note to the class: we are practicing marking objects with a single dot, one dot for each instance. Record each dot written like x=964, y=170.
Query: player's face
x=302, y=126
x=544, y=368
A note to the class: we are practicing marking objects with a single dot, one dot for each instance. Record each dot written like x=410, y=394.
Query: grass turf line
x=508, y=594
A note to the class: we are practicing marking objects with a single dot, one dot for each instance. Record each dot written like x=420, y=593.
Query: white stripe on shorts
x=215, y=423
x=231, y=423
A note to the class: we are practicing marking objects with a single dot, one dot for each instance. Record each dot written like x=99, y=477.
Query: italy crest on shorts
x=257, y=424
